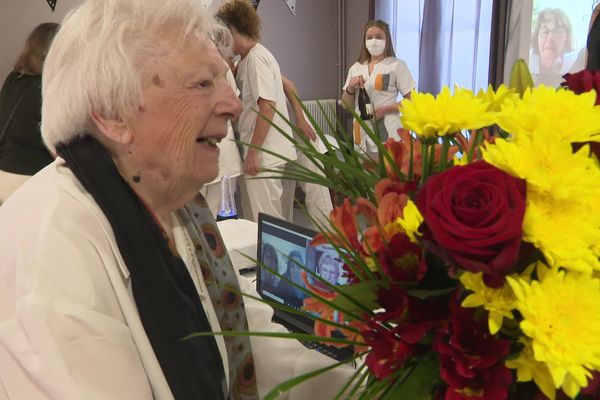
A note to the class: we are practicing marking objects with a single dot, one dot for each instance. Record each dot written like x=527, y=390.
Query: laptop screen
x=282, y=246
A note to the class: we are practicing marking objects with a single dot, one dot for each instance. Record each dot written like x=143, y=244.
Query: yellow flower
x=548, y=165
x=567, y=232
x=497, y=99
x=562, y=217
x=560, y=316
x=447, y=113
x=498, y=302
x=529, y=369
x=562, y=114
x=408, y=224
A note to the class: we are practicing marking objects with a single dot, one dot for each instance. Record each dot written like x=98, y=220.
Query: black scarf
x=164, y=293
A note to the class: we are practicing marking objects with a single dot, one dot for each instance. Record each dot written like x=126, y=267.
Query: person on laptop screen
x=328, y=267
x=293, y=295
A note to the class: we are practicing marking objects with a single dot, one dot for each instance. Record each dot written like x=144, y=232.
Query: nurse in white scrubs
x=384, y=77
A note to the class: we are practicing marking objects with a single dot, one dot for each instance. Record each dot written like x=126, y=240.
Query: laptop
x=280, y=242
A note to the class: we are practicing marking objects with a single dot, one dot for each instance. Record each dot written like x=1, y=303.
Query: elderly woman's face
x=328, y=269
x=551, y=43
x=186, y=103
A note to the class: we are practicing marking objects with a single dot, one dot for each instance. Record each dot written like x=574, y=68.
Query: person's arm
x=382, y=111
x=291, y=93
x=261, y=129
x=349, y=93
x=67, y=337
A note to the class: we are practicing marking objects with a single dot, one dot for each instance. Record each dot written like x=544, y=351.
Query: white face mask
x=375, y=46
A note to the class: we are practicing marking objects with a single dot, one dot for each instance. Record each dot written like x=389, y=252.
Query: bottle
x=364, y=104
x=227, y=209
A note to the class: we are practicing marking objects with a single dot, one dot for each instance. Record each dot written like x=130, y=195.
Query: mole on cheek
x=141, y=108
x=137, y=178
x=157, y=81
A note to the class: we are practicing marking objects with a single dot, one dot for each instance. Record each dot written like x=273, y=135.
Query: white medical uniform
x=390, y=77
x=258, y=76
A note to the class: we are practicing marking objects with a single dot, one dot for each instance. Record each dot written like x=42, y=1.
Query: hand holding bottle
x=355, y=83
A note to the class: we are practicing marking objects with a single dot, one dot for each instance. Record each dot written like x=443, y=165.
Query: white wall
x=17, y=20
x=305, y=45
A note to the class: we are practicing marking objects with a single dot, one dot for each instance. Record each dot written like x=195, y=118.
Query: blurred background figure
x=259, y=81
x=551, y=47
x=384, y=77
x=22, y=151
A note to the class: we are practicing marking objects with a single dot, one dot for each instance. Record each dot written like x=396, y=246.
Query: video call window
x=558, y=39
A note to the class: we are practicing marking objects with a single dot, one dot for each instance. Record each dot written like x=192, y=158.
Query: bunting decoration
x=52, y=4
x=292, y=5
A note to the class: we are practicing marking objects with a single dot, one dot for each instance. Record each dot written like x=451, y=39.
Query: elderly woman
x=106, y=259
x=552, y=47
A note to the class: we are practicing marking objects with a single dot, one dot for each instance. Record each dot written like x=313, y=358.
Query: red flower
x=471, y=358
x=492, y=384
x=583, y=81
x=413, y=317
x=401, y=260
x=474, y=216
x=388, y=351
x=593, y=387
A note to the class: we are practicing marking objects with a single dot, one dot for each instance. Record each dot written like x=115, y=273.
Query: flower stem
x=445, y=150
x=424, y=162
x=475, y=145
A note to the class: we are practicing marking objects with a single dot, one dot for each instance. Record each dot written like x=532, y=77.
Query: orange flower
x=398, y=151
x=344, y=220
x=391, y=207
x=316, y=306
x=417, y=160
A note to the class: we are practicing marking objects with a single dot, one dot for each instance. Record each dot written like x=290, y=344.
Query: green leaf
x=281, y=335
x=424, y=293
x=418, y=384
x=287, y=385
x=364, y=293
x=520, y=77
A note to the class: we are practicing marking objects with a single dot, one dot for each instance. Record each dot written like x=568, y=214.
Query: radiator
x=321, y=116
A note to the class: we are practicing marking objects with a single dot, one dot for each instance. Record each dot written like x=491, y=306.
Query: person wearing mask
x=109, y=258
x=260, y=83
x=22, y=152
x=384, y=77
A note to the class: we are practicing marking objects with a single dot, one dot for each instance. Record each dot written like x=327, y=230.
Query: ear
x=114, y=130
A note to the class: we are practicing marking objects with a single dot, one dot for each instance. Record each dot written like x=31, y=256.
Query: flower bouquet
x=471, y=249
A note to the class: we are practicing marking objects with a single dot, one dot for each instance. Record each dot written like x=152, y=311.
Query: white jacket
x=69, y=328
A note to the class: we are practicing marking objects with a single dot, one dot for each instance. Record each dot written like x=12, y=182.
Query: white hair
x=96, y=59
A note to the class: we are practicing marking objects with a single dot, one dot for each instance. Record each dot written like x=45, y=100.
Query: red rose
x=583, y=81
x=473, y=216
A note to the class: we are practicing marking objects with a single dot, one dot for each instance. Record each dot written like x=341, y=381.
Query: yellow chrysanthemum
x=447, y=113
x=495, y=99
x=562, y=217
x=563, y=114
x=549, y=166
x=567, y=232
x=498, y=302
x=409, y=223
x=560, y=316
x=529, y=369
